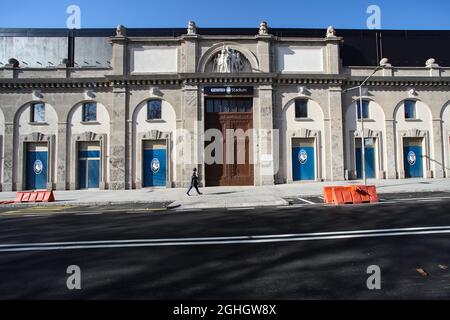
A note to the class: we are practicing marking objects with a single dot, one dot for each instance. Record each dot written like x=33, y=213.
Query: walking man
x=194, y=183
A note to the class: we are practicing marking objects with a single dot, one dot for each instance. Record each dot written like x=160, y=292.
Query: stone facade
x=134, y=69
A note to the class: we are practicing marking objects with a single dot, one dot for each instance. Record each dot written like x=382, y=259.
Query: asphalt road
x=305, y=251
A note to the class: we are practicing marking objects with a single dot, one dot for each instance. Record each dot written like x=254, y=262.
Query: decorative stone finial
x=121, y=31
x=263, y=28
x=331, y=32
x=385, y=63
x=431, y=63
x=192, y=28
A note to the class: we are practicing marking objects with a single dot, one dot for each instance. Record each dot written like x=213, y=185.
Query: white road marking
x=89, y=214
x=35, y=215
x=417, y=199
x=304, y=200
x=188, y=210
x=111, y=244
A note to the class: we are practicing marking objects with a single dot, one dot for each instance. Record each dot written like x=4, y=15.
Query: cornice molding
x=199, y=79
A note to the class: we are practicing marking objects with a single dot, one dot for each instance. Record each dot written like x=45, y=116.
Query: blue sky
x=395, y=14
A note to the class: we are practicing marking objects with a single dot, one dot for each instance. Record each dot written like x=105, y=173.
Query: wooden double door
x=236, y=169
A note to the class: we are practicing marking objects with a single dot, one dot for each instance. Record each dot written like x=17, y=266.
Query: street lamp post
x=383, y=63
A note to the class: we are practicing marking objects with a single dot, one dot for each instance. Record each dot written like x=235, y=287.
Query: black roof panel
x=360, y=47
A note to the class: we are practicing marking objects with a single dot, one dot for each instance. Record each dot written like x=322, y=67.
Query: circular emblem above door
x=412, y=158
x=229, y=90
x=38, y=167
x=303, y=156
x=155, y=165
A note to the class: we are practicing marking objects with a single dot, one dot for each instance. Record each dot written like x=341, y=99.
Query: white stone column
x=334, y=139
x=189, y=53
x=119, y=162
x=390, y=153
x=185, y=137
x=263, y=52
x=332, y=55
x=119, y=56
x=264, y=135
x=61, y=158
x=438, y=158
x=8, y=162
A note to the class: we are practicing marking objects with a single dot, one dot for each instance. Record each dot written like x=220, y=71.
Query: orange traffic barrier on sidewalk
x=35, y=196
x=7, y=202
x=339, y=195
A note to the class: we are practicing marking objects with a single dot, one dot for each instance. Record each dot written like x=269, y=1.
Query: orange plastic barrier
x=350, y=195
x=7, y=202
x=35, y=196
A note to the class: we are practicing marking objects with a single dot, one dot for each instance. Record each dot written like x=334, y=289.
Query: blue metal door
x=413, y=163
x=89, y=169
x=36, y=170
x=303, y=163
x=155, y=167
x=370, y=163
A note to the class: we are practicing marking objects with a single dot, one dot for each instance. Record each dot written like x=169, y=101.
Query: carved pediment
x=305, y=133
x=89, y=136
x=36, y=137
x=368, y=133
x=414, y=133
x=156, y=135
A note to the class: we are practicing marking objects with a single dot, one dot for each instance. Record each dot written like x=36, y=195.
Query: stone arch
x=168, y=111
x=401, y=103
x=144, y=129
x=445, y=121
x=212, y=51
x=292, y=101
x=374, y=127
x=80, y=103
x=26, y=132
x=97, y=132
x=351, y=112
x=445, y=112
x=27, y=105
x=421, y=127
x=313, y=127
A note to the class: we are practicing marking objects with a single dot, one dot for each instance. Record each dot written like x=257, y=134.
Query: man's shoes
x=200, y=194
x=188, y=194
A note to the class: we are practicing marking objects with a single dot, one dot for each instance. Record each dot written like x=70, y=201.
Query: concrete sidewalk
x=231, y=197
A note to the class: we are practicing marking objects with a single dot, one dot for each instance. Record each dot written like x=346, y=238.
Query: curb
x=178, y=205
x=71, y=204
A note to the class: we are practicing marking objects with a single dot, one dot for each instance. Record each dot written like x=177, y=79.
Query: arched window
x=89, y=112
x=154, y=110
x=364, y=112
x=410, y=109
x=37, y=112
x=301, y=108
